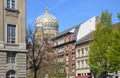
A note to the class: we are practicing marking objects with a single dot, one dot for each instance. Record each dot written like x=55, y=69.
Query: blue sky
x=71, y=12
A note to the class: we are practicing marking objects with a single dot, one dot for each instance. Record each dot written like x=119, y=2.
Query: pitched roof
x=87, y=37
x=75, y=28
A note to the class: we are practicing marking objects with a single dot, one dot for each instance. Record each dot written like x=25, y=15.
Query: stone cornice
x=14, y=50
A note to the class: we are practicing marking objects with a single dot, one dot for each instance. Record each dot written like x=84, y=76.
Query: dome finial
x=46, y=10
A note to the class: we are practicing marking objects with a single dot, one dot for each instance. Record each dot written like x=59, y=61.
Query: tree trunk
x=35, y=74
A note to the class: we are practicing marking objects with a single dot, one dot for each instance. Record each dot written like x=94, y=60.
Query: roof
x=46, y=15
x=80, y=30
x=75, y=28
x=87, y=37
x=90, y=36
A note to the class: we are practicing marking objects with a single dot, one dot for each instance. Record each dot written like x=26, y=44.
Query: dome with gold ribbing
x=46, y=21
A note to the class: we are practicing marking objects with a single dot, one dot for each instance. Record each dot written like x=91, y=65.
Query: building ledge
x=72, y=41
x=14, y=50
x=12, y=10
x=83, y=68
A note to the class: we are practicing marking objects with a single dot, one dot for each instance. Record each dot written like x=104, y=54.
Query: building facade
x=82, y=51
x=12, y=39
x=64, y=44
x=64, y=49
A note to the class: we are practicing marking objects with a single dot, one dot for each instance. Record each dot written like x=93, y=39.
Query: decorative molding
x=12, y=12
x=11, y=67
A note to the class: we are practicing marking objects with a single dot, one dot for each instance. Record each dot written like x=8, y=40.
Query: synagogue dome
x=46, y=21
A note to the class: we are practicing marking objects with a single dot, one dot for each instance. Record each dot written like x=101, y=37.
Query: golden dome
x=46, y=19
x=47, y=23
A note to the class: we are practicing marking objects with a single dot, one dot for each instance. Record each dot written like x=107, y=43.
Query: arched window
x=10, y=74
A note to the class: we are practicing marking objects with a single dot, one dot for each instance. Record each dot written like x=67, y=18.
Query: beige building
x=12, y=39
x=82, y=51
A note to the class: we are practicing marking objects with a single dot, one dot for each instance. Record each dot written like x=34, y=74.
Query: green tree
x=118, y=16
x=105, y=48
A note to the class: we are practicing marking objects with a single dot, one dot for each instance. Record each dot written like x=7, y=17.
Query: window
x=11, y=33
x=61, y=58
x=10, y=57
x=73, y=46
x=78, y=53
x=11, y=4
x=61, y=41
x=10, y=74
x=78, y=64
x=67, y=38
x=67, y=47
x=86, y=63
x=79, y=74
x=67, y=57
x=82, y=52
x=73, y=68
x=82, y=64
x=61, y=49
x=67, y=68
x=86, y=51
x=73, y=56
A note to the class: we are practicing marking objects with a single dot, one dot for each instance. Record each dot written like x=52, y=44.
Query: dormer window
x=11, y=4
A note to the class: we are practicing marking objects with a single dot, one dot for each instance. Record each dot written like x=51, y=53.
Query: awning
x=81, y=77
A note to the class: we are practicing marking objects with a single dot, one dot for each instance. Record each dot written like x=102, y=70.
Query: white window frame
x=78, y=64
x=78, y=52
x=11, y=4
x=86, y=51
x=11, y=33
x=11, y=57
x=82, y=51
x=82, y=62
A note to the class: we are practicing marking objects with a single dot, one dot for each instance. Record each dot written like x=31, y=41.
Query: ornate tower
x=46, y=25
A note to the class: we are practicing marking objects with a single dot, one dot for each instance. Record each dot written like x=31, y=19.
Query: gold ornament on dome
x=48, y=21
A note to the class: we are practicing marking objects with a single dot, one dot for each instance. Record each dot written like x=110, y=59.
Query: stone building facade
x=12, y=39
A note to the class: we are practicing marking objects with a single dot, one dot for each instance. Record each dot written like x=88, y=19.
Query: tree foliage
x=105, y=48
x=118, y=16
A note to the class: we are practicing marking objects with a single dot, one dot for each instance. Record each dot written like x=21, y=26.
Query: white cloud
x=60, y=2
